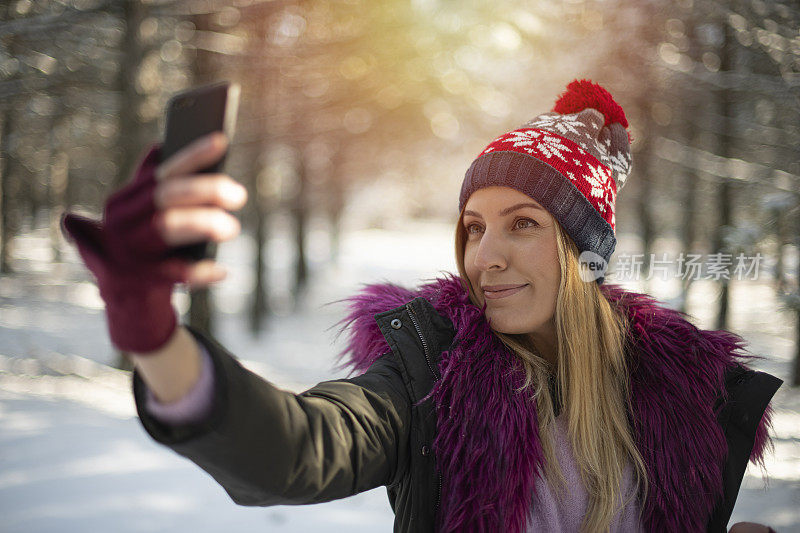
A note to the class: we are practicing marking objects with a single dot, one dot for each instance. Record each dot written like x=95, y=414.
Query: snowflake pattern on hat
x=598, y=178
x=562, y=124
x=592, y=177
x=584, y=128
x=621, y=164
x=535, y=141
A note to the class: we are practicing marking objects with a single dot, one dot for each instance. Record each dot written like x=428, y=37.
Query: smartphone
x=192, y=114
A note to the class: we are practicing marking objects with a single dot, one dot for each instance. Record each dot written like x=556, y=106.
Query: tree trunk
x=130, y=127
x=57, y=182
x=260, y=303
x=260, y=219
x=299, y=216
x=688, y=231
x=268, y=85
x=725, y=193
x=6, y=230
x=8, y=178
x=200, y=304
x=781, y=239
x=644, y=207
x=336, y=204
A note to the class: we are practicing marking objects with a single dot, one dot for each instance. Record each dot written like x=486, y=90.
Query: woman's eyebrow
x=508, y=210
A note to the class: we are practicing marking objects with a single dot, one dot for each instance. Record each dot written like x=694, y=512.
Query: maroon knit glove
x=129, y=260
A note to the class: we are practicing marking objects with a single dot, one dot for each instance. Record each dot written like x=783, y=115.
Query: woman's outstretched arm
x=268, y=446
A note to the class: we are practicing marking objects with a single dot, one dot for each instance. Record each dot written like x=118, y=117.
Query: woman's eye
x=470, y=226
x=528, y=223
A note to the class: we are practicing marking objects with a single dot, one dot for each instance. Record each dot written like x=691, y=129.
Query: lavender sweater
x=549, y=514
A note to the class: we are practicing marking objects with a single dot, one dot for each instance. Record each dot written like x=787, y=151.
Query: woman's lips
x=494, y=295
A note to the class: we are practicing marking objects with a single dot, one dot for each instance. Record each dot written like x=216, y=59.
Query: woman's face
x=511, y=243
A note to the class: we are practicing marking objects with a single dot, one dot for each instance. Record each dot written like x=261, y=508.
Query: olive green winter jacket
x=267, y=446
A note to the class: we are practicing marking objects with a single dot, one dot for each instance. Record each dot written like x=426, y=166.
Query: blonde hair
x=591, y=385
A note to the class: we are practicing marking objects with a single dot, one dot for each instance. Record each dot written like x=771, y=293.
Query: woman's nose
x=490, y=254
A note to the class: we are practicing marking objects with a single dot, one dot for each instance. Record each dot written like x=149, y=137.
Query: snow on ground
x=74, y=457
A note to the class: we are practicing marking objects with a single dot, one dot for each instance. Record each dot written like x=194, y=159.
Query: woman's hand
x=750, y=527
x=194, y=207
x=129, y=251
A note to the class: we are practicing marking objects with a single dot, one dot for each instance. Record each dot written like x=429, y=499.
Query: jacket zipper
x=436, y=378
x=424, y=344
x=438, y=492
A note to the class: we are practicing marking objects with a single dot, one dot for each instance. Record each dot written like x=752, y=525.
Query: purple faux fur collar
x=488, y=448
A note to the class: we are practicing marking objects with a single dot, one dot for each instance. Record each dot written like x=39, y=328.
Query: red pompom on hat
x=581, y=94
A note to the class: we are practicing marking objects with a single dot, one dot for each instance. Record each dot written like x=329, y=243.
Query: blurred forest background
x=366, y=113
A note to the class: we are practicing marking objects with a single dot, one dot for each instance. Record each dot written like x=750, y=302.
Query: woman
x=523, y=394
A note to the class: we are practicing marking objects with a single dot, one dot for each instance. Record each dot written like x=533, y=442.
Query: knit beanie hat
x=572, y=160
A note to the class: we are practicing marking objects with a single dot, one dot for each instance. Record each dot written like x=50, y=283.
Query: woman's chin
x=501, y=322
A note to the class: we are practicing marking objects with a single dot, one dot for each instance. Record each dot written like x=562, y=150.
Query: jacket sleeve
x=745, y=418
x=268, y=446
